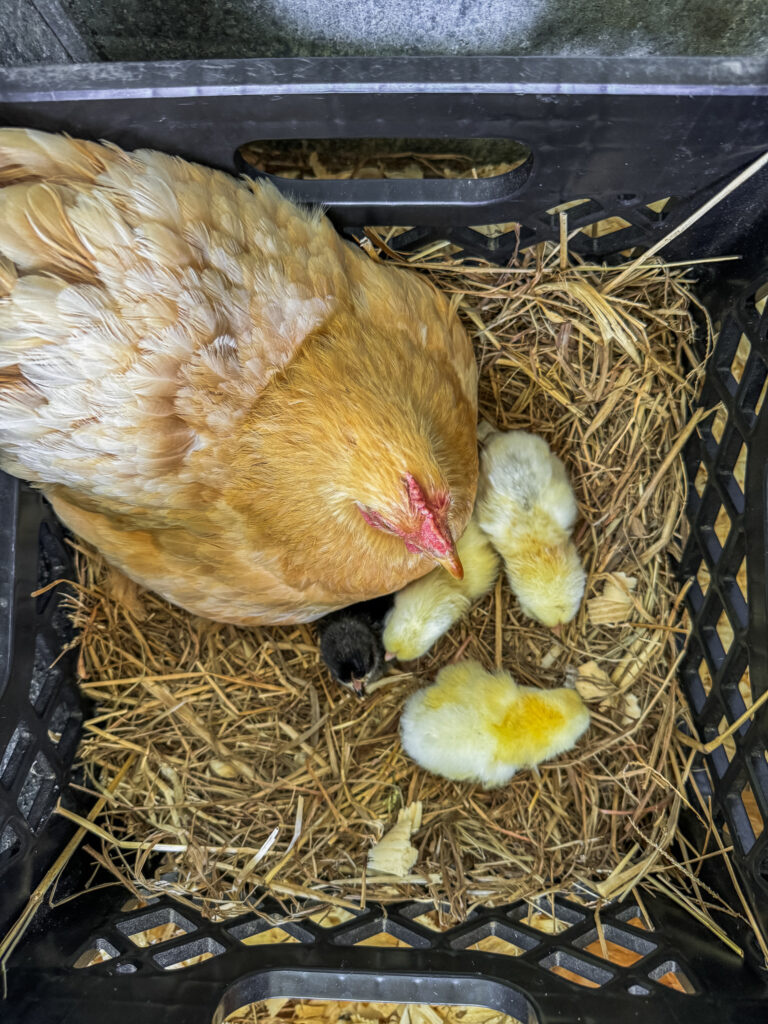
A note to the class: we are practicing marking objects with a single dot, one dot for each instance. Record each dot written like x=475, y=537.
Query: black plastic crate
x=621, y=134
x=41, y=710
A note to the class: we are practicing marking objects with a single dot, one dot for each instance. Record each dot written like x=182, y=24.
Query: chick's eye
x=346, y=672
x=352, y=669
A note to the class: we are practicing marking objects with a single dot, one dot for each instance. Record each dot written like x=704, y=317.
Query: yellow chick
x=527, y=508
x=478, y=726
x=428, y=607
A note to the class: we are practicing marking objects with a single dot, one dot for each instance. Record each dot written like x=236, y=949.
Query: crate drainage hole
x=431, y=919
x=59, y=720
x=135, y=903
x=12, y=756
x=270, y=937
x=722, y=529
x=496, y=938
x=155, y=927
x=257, y=932
x=98, y=953
x=544, y=916
x=40, y=780
x=385, y=940
x=613, y=953
x=673, y=976
x=638, y=922
x=546, y=923
x=634, y=917
x=330, y=917
x=188, y=955
x=319, y=1011
x=761, y=397
x=10, y=842
x=575, y=970
x=160, y=933
x=615, y=946
x=495, y=944
x=752, y=810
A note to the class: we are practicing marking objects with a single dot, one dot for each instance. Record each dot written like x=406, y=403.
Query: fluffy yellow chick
x=428, y=607
x=527, y=508
x=478, y=726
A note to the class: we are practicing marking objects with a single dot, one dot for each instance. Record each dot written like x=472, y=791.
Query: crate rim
x=684, y=76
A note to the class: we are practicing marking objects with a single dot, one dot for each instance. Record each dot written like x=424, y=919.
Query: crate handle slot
x=429, y=202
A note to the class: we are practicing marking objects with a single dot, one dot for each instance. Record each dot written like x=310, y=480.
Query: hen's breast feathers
x=186, y=568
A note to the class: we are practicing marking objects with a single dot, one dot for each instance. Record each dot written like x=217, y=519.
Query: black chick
x=350, y=643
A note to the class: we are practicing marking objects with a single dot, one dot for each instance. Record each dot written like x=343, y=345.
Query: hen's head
x=364, y=454
x=420, y=520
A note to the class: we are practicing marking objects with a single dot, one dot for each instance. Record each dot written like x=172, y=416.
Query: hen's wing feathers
x=154, y=289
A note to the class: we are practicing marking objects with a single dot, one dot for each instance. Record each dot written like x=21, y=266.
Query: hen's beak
x=452, y=563
x=358, y=685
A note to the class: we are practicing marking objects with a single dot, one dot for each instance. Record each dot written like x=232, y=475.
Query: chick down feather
x=471, y=725
x=526, y=506
x=427, y=608
x=350, y=643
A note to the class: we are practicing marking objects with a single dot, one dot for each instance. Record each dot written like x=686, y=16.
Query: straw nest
x=233, y=766
x=309, y=1011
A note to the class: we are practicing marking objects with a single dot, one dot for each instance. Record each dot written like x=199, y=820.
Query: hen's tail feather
x=27, y=156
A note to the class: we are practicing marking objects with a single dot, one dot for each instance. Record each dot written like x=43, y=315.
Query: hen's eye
x=375, y=519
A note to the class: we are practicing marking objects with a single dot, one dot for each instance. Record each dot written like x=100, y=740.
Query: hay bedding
x=249, y=771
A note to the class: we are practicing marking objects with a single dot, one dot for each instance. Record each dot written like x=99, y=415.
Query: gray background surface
x=58, y=31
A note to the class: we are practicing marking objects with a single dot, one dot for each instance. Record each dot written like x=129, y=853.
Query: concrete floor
x=31, y=30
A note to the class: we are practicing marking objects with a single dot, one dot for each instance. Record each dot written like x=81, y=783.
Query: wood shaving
x=615, y=603
x=394, y=854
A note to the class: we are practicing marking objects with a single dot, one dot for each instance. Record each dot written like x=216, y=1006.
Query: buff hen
x=242, y=411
